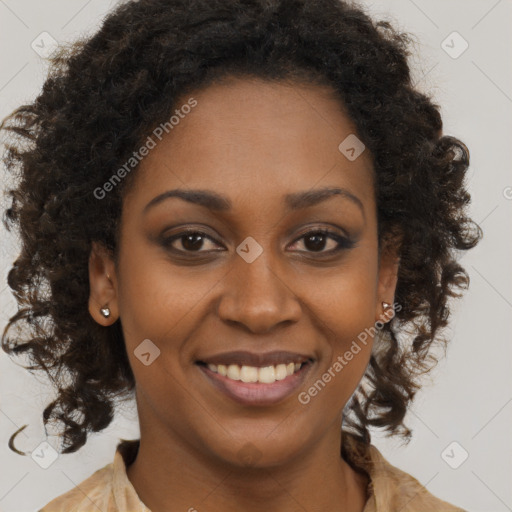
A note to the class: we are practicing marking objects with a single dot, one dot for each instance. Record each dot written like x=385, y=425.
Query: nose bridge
x=256, y=294
x=260, y=277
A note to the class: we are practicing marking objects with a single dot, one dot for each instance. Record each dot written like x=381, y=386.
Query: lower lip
x=257, y=393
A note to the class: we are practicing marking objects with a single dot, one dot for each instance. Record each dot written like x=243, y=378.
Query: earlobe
x=105, y=311
x=388, y=312
x=388, y=278
x=103, y=290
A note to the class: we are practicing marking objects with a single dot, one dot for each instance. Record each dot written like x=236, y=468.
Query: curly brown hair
x=105, y=94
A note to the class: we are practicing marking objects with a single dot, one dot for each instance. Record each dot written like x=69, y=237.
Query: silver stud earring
x=386, y=306
x=105, y=312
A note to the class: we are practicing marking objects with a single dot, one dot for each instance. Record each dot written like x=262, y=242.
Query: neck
x=169, y=475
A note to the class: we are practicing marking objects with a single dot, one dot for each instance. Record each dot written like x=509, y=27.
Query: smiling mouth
x=256, y=378
x=260, y=374
x=257, y=385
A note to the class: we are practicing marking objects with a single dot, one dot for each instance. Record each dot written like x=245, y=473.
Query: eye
x=314, y=240
x=191, y=240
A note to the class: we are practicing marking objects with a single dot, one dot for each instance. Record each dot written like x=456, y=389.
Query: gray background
x=468, y=397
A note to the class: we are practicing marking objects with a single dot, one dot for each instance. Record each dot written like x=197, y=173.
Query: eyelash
x=343, y=242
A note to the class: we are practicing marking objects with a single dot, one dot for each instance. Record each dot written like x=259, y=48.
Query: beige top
x=389, y=490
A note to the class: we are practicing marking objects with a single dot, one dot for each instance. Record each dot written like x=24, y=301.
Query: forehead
x=255, y=141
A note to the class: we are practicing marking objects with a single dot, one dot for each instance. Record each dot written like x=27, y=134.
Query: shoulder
x=390, y=488
x=108, y=489
x=94, y=493
x=399, y=490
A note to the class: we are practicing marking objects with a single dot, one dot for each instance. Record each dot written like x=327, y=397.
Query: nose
x=258, y=296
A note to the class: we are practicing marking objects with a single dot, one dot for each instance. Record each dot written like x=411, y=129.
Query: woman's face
x=259, y=286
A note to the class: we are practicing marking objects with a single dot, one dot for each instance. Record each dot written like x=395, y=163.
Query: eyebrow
x=216, y=202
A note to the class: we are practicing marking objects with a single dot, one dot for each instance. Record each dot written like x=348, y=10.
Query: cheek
x=157, y=300
x=161, y=303
x=344, y=300
x=343, y=306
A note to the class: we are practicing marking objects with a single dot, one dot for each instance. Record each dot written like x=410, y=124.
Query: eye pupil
x=192, y=242
x=318, y=242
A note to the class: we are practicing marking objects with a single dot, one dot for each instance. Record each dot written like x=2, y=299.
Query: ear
x=389, y=262
x=103, y=285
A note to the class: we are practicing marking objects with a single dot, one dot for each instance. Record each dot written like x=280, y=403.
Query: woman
x=242, y=214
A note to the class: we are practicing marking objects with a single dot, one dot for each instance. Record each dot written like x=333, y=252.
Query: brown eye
x=316, y=241
x=191, y=241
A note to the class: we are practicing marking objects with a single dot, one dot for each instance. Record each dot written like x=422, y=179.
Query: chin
x=257, y=451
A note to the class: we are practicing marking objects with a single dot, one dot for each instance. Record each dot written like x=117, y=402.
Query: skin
x=254, y=142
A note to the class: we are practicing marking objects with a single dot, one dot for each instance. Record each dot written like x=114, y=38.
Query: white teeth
x=249, y=374
x=265, y=375
x=281, y=372
x=233, y=372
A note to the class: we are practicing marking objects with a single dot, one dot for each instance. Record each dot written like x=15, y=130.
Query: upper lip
x=245, y=358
